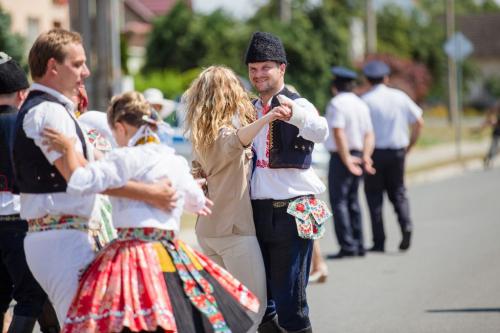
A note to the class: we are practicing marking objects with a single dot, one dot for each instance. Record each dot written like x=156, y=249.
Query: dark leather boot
x=270, y=326
x=22, y=324
x=48, y=319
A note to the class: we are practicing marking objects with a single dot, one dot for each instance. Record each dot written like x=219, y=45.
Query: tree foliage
x=317, y=38
x=314, y=40
x=12, y=44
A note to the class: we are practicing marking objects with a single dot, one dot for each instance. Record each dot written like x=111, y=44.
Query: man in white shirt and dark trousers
x=16, y=280
x=397, y=123
x=282, y=174
x=351, y=146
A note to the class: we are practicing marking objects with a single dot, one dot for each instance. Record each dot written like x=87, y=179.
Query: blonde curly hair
x=214, y=98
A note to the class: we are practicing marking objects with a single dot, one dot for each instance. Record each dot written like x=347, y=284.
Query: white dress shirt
x=391, y=111
x=146, y=163
x=9, y=203
x=280, y=184
x=53, y=115
x=349, y=112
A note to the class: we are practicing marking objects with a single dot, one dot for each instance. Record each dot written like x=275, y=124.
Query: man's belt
x=57, y=222
x=10, y=218
x=286, y=202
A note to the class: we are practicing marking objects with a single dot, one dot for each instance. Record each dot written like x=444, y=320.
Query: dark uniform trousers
x=390, y=166
x=17, y=282
x=343, y=189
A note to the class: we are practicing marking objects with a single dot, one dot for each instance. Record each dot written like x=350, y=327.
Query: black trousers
x=16, y=280
x=343, y=189
x=390, y=166
x=287, y=260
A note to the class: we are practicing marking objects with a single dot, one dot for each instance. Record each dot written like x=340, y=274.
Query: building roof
x=482, y=30
x=149, y=9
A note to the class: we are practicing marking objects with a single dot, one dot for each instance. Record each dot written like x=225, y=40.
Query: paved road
x=449, y=281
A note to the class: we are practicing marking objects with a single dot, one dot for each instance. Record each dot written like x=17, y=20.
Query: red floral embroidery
x=300, y=207
x=262, y=164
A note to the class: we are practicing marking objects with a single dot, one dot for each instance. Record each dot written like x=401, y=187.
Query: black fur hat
x=12, y=77
x=265, y=47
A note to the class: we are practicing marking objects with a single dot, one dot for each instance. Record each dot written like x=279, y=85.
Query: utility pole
x=371, y=27
x=453, y=113
x=97, y=22
x=285, y=8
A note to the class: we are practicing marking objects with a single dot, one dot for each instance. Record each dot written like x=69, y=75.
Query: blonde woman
x=220, y=120
x=147, y=280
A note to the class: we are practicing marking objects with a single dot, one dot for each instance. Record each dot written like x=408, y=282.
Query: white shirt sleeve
x=338, y=117
x=414, y=111
x=50, y=115
x=112, y=171
x=305, y=117
x=194, y=199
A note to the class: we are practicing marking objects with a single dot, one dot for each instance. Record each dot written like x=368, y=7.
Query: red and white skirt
x=148, y=281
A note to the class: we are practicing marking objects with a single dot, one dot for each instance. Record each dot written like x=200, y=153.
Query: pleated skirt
x=159, y=285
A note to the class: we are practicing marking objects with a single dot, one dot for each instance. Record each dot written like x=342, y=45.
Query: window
x=33, y=29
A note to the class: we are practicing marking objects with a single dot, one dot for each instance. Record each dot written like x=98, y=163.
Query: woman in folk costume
x=147, y=280
x=221, y=121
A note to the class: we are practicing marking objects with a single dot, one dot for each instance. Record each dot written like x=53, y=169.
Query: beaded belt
x=10, y=218
x=58, y=222
x=145, y=234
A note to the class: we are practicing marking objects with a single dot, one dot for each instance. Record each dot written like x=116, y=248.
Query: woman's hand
x=281, y=112
x=206, y=210
x=57, y=141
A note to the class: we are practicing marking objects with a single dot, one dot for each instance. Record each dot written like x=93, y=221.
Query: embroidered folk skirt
x=148, y=281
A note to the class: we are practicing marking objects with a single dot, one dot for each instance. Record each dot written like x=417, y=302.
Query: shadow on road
x=464, y=310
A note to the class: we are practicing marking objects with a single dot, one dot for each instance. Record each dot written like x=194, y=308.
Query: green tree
x=12, y=44
x=175, y=41
x=315, y=40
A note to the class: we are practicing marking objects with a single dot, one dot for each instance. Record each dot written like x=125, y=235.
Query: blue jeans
x=287, y=259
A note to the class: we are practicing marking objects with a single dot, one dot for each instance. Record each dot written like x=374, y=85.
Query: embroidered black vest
x=34, y=174
x=286, y=148
x=7, y=127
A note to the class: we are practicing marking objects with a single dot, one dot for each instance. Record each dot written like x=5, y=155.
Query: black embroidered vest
x=286, y=148
x=34, y=174
x=7, y=127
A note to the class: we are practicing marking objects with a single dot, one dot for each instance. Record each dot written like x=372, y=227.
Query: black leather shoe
x=376, y=248
x=405, y=242
x=22, y=324
x=341, y=254
x=270, y=326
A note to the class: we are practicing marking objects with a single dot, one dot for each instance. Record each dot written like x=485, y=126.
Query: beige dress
x=227, y=236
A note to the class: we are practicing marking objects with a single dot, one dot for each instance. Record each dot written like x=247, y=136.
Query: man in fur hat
x=16, y=280
x=283, y=184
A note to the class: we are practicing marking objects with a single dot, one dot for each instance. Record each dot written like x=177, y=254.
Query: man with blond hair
x=60, y=242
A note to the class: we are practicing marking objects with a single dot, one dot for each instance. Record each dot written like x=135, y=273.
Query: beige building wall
x=31, y=17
